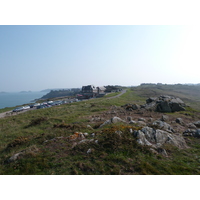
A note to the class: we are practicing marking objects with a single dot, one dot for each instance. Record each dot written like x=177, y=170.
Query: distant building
x=90, y=91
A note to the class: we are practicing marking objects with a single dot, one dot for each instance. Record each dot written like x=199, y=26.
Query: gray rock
x=164, y=103
x=115, y=120
x=158, y=124
x=164, y=118
x=105, y=123
x=191, y=125
x=163, y=106
x=176, y=107
x=141, y=123
x=15, y=157
x=151, y=99
x=129, y=118
x=142, y=119
x=197, y=133
x=88, y=126
x=132, y=122
x=157, y=138
x=179, y=121
x=197, y=124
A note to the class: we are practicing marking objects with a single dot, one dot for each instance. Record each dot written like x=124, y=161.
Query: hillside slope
x=49, y=141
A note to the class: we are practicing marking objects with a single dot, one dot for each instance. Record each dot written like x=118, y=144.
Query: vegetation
x=61, y=93
x=41, y=138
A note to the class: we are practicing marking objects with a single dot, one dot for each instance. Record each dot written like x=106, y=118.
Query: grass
x=32, y=132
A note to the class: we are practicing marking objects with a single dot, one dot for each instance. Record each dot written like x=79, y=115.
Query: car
x=41, y=106
x=18, y=109
x=26, y=107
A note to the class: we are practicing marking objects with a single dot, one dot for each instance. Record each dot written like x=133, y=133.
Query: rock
x=142, y=119
x=132, y=122
x=163, y=106
x=15, y=157
x=164, y=118
x=88, y=126
x=180, y=121
x=162, y=125
x=131, y=107
x=191, y=125
x=197, y=133
x=85, y=134
x=96, y=141
x=157, y=138
x=197, y=124
x=162, y=152
x=129, y=118
x=176, y=107
x=164, y=103
x=189, y=132
x=115, y=120
x=93, y=134
x=150, y=119
x=89, y=151
x=141, y=123
x=105, y=123
x=151, y=99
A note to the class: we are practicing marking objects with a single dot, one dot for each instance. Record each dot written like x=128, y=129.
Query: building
x=90, y=91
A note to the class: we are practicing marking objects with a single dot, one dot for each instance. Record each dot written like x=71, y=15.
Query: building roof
x=101, y=88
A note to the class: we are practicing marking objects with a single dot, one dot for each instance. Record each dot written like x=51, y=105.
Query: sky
x=41, y=57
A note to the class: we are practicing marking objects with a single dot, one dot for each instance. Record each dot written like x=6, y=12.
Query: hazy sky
x=41, y=57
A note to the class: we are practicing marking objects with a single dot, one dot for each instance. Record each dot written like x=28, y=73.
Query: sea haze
x=18, y=98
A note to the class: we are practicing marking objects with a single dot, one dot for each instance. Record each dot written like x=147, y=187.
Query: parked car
x=26, y=107
x=18, y=109
x=36, y=104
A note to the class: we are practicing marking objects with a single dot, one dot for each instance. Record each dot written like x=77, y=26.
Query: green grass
x=113, y=154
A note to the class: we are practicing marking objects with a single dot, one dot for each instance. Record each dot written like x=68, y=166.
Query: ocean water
x=17, y=99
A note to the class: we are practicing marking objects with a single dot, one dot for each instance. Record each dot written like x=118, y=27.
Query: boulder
x=163, y=106
x=197, y=124
x=191, y=125
x=131, y=107
x=115, y=120
x=164, y=103
x=180, y=121
x=176, y=107
x=164, y=118
x=197, y=133
x=157, y=138
x=192, y=132
x=158, y=124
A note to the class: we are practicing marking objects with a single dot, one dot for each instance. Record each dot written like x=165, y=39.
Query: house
x=90, y=91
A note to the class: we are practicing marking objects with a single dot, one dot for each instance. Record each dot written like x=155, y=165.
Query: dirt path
x=123, y=91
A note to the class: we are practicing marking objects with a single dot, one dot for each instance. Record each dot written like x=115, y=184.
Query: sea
x=13, y=99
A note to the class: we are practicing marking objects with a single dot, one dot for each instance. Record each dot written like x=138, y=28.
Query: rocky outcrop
x=156, y=138
x=192, y=132
x=113, y=120
x=158, y=124
x=164, y=103
x=131, y=107
x=197, y=124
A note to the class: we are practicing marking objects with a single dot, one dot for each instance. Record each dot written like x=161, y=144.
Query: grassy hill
x=40, y=138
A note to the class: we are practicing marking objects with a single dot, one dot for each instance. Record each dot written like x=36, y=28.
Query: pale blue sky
x=41, y=57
